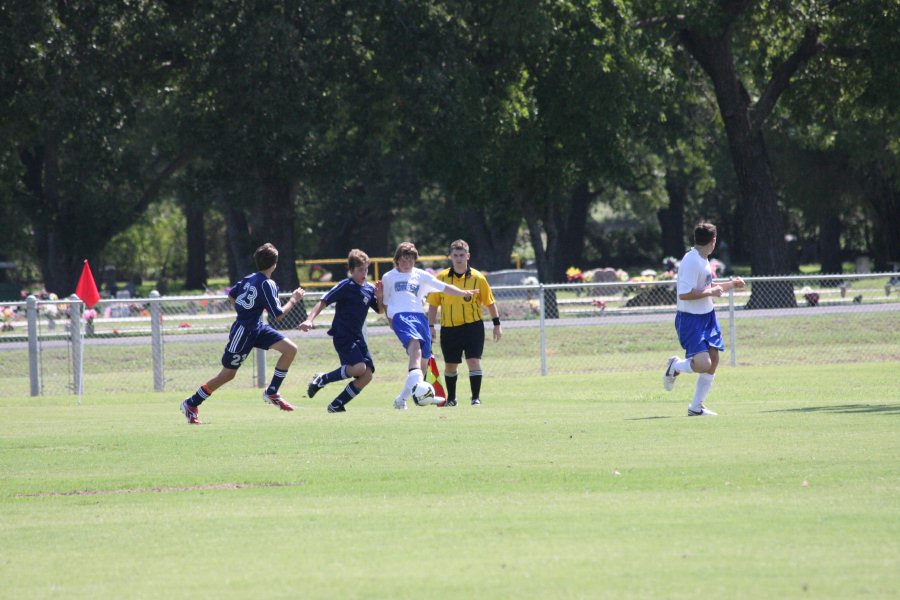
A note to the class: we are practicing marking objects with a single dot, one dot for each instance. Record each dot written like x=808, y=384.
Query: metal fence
x=172, y=344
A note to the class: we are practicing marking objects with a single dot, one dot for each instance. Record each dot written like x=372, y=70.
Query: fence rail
x=171, y=343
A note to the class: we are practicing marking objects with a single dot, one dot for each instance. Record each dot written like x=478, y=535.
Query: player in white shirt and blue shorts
x=405, y=288
x=695, y=320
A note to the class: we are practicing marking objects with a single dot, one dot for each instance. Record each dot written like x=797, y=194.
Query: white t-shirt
x=694, y=274
x=404, y=292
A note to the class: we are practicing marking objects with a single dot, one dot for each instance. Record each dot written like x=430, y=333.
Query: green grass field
x=558, y=487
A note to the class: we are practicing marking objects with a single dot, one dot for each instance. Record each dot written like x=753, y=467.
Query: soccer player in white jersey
x=405, y=288
x=695, y=320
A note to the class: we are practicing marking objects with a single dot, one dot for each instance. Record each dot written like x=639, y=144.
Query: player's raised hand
x=297, y=294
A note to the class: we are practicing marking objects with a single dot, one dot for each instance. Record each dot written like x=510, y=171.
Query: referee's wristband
x=496, y=321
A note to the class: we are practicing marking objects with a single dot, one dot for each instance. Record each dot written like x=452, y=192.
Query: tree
x=750, y=51
x=85, y=80
x=843, y=121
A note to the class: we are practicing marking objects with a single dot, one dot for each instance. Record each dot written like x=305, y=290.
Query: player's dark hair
x=356, y=258
x=405, y=249
x=265, y=256
x=704, y=233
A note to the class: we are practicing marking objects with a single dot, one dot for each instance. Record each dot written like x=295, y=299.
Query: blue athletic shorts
x=413, y=326
x=698, y=333
x=244, y=337
x=352, y=350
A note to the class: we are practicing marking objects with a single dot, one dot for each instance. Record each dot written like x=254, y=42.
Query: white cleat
x=703, y=412
x=670, y=374
x=400, y=403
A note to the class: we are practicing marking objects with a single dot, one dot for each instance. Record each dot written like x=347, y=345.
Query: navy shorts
x=352, y=350
x=244, y=337
x=698, y=333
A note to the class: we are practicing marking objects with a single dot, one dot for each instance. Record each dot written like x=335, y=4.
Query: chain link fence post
x=34, y=348
x=732, y=327
x=156, y=343
x=542, y=308
x=76, y=341
x=260, y=368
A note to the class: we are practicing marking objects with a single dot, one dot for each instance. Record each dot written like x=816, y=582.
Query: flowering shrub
x=574, y=275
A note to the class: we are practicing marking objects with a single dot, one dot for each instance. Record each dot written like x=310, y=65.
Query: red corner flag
x=87, y=288
x=433, y=376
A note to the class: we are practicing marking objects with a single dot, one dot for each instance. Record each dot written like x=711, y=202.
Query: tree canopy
x=321, y=126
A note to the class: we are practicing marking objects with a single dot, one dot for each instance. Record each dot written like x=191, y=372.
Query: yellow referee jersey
x=457, y=310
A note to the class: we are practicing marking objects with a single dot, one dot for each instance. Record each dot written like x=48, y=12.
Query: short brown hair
x=356, y=258
x=704, y=233
x=459, y=245
x=406, y=248
x=265, y=256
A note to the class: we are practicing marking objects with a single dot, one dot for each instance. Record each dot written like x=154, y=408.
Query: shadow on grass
x=650, y=418
x=847, y=409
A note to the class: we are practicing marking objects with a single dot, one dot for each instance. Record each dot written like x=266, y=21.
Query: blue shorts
x=413, y=326
x=245, y=336
x=698, y=333
x=353, y=350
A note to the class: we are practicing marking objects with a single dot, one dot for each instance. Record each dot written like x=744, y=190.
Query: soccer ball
x=422, y=394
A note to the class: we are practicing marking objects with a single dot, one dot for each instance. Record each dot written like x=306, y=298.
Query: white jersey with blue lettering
x=694, y=273
x=405, y=292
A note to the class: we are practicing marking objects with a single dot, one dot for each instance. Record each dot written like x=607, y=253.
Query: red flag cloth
x=433, y=376
x=87, y=288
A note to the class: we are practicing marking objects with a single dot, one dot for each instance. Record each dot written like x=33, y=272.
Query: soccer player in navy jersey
x=695, y=320
x=250, y=296
x=352, y=297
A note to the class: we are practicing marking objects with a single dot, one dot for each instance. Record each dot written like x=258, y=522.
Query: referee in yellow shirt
x=462, y=325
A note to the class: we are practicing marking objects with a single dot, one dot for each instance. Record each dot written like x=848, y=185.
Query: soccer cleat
x=703, y=412
x=192, y=413
x=475, y=401
x=336, y=409
x=441, y=402
x=315, y=385
x=400, y=403
x=670, y=374
x=451, y=402
x=278, y=401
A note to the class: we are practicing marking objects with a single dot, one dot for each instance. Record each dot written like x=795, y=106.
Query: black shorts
x=468, y=338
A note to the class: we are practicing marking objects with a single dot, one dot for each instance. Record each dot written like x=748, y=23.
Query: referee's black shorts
x=468, y=338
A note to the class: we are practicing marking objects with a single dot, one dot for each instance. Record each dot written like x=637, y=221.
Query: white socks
x=683, y=366
x=704, y=382
x=414, y=377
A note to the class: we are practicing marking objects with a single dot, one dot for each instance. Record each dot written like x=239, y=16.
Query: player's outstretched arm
x=308, y=323
x=455, y=291
x=293, y=301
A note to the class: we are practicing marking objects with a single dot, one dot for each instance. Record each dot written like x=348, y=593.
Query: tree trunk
x=571, y=239
x=885, y=202
x=830, y=244
x=490, y=237
x=758, y=199
x=195, y=231
x=671, y=218
x=278, y=221
x=240, y=247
